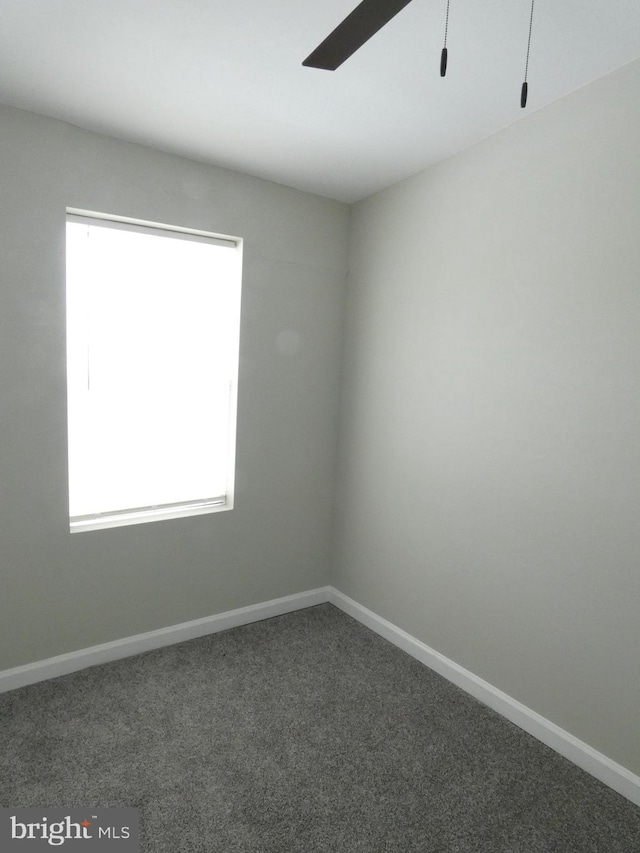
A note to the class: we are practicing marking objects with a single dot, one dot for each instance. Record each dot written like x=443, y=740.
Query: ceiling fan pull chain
x=525, y=86
x=444, y=54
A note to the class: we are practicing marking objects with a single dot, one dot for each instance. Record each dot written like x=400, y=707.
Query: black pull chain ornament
x=525, y=86
x=444, y=54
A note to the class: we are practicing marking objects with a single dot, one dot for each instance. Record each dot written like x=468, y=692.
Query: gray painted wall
x=60, y=592
x=489, y=495
x=489, y=481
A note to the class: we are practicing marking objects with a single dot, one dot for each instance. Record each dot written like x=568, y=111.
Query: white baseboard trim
x=598, y=765
x=20, y=676
x=603, y=768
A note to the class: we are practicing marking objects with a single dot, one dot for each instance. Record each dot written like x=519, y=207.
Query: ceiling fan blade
x=357, y=28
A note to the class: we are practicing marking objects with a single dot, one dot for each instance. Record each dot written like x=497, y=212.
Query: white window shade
x=153, y=325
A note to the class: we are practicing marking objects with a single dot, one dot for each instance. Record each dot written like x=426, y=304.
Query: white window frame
x=179, y=509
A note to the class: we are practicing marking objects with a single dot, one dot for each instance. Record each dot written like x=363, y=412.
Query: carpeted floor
x=305, y=733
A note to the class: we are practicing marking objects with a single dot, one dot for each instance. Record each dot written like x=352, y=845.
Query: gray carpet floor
x=306, y=732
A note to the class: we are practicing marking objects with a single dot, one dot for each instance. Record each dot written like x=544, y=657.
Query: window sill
x=143, y=516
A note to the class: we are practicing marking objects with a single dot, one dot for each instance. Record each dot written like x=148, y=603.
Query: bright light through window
x=152, y=356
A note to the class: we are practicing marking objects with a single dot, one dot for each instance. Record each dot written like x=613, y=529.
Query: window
x=153, y=316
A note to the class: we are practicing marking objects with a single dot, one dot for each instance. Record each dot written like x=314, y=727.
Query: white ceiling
x=223, y=82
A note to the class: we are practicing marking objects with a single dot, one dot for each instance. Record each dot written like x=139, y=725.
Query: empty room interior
x=409, y=620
